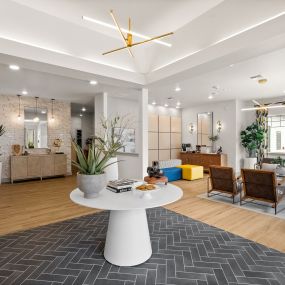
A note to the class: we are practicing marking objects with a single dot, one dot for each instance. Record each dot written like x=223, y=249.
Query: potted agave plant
x=91, y=176
x=2, y=132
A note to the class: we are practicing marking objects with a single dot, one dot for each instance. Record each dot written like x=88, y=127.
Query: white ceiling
x=209, y=35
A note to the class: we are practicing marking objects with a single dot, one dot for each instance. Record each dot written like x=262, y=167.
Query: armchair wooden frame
x=229, y=185
x=246, y=192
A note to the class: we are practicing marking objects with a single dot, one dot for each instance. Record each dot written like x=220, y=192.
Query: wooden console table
x=37, y=166
x=204, y=159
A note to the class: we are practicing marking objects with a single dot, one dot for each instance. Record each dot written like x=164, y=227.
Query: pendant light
x=36, y=118
x=52, y=105
x=19, y=107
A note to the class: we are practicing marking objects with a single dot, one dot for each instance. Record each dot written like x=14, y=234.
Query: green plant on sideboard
x=252, y=138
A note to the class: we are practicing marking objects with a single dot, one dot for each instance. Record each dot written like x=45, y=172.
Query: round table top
x=131, y=200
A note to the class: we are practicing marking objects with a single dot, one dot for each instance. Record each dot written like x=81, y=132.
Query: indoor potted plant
x=213, y=139
x=2, y=132
x=91, y=176
x=251, y=139
x=281, y=165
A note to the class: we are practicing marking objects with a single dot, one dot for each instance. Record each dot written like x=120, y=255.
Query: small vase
x=214, y=148
x=112, y=170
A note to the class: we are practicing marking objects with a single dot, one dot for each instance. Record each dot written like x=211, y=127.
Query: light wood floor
x=31, y=204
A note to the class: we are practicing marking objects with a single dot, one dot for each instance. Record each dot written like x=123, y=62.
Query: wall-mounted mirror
x=36, y=127
x=204, y=128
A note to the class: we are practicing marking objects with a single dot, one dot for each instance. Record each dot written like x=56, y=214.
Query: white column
x=100, y=108
x=143, y=105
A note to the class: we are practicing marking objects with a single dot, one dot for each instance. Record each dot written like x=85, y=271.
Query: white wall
x=130, y=166
x=160, y=110
x=223, y=111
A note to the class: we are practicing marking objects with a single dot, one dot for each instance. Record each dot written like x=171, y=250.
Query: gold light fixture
x=19, y=107
x=262, y=81
x=36, y=118
x=128, y=39
x=52, y=106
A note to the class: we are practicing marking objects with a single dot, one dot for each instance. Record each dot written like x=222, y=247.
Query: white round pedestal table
x=128, y=241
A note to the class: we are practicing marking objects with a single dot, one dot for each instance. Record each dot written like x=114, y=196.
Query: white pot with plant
x=281, y=165
x=91, y=176
x=213, y=139
x=2, y=132
x=251, y=139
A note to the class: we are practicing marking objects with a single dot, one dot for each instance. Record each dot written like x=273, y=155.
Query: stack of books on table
x=121, y=185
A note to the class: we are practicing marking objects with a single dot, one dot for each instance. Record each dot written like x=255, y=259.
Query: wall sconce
x=19, y=107
x=52, y=115
x=191, y=128
x=219, y=126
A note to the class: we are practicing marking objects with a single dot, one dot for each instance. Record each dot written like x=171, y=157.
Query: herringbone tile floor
x=185, y=251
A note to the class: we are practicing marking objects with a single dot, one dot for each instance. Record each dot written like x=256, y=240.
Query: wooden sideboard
x=204, y=159
x=38, y=166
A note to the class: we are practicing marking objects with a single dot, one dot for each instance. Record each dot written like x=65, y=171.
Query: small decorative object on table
x=16, y=149
x=220, y=150
x=58, y=143
x=154, y=171
x=121, y=185
x=213, y=139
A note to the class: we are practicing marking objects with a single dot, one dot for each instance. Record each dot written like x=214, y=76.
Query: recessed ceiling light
x=83, y=109
x=153, y=103
x=211, y=97
x=93, y=82
x=177, y=89
x=178, y=103
x=231, y=65
x=14, y=67
x=24, y=92
x=165, y=105
x=178, y=107
x=43, y=111
x=80, y=115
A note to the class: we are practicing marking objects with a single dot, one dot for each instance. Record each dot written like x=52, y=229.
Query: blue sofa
x=172, y=173
x=170, y=169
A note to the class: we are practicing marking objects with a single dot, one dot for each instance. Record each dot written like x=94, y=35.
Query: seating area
x=142, y=142
x=253, y=185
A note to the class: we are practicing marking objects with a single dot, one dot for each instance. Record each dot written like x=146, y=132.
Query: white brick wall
x=60, y=128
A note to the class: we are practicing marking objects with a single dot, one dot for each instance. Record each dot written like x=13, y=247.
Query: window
x=276, y=134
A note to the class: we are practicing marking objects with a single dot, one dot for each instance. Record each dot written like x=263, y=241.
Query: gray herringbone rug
x=185, y=251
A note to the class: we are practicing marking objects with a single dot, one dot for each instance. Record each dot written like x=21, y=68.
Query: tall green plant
x=252, y=138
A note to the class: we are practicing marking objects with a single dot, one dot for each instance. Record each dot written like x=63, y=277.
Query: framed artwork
x=129, y=137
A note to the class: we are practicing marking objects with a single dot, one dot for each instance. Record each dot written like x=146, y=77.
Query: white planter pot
x=0, y=172
x=91, y=185
x=249, y=162
x=112, y=170
x=281, y=171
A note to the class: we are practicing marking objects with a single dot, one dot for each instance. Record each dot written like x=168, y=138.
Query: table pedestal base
x=128, y=240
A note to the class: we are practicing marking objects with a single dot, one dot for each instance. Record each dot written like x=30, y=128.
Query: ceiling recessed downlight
x=14, y=67
x=211, y=97
x=165, y=105
x=24, y=92
x=80, y=115
x=178, y=103
x=177, y=89
x=153, y=103
x=93, y=82
x=83, y=109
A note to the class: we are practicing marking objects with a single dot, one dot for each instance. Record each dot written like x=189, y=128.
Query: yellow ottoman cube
x=192, y=172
